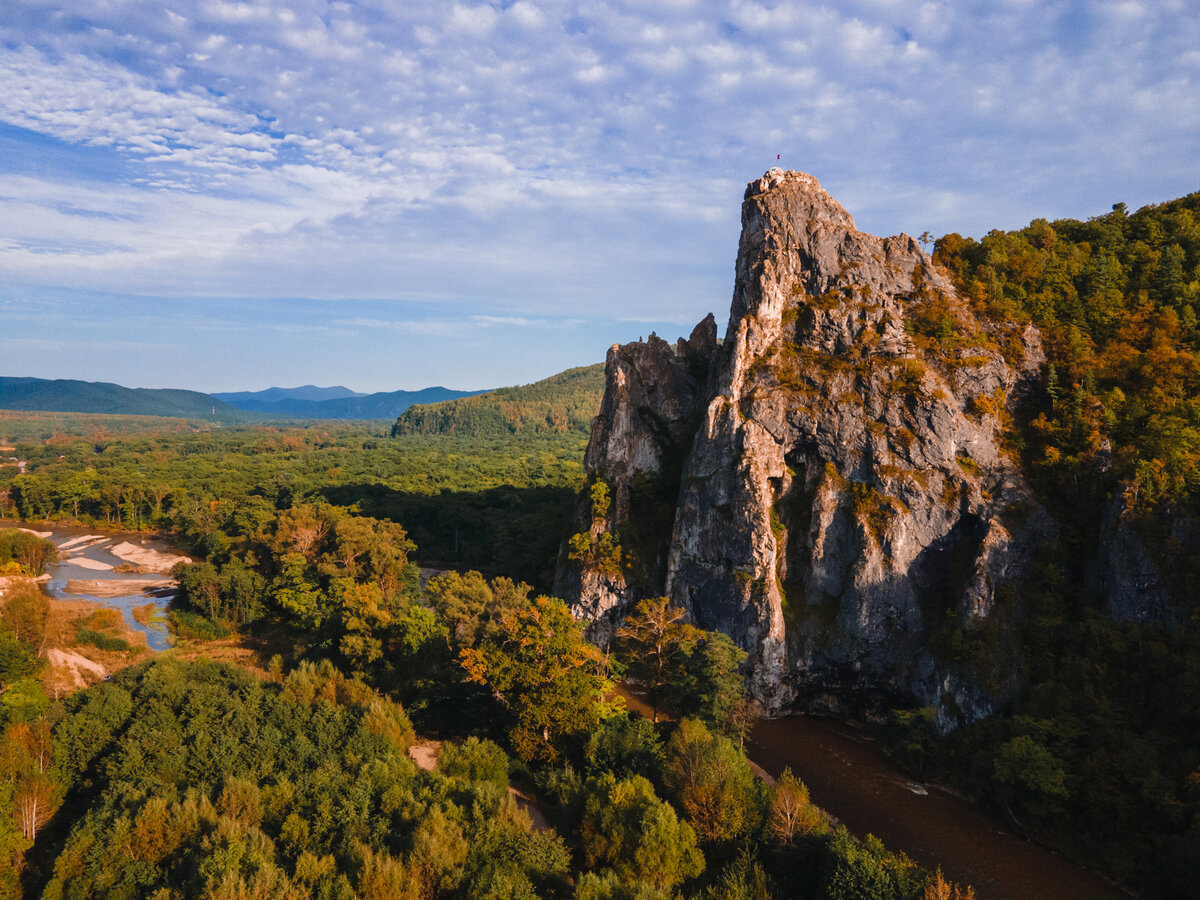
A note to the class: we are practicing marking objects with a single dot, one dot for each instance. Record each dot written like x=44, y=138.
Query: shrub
x=475, y=760
x=187, y=624
x=101, y=640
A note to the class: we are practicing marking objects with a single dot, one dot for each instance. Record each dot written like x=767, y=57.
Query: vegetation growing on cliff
x=596, y=550
x=1098, y=752
x=1116, y=298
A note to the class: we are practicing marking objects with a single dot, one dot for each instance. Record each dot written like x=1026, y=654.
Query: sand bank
x=83, y=540
x=113, y=587
x=151, y=560
x=74, y=662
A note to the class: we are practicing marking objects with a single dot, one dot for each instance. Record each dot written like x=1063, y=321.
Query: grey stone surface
x=840, y=490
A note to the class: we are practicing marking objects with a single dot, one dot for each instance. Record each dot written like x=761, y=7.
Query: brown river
x=853, y=780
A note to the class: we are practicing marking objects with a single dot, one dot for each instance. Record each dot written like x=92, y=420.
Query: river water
x=87, y=572
x=855, y=781
x=852, y=779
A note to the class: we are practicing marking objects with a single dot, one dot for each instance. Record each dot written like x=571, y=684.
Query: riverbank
x=122, y=571
x=81, y=640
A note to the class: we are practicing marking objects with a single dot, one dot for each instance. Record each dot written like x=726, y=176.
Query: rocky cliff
x=829, y=484
x=654, y=396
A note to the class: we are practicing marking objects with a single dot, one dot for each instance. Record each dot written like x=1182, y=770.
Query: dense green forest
x=495, y=504
x=1116, y=299
x=564, y=403
x=38, y=426
x=177, y=779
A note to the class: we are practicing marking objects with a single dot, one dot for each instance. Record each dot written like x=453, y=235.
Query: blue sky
x=225, y=195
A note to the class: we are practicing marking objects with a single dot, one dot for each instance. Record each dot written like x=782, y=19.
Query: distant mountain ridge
x=566, y=402
x=68, y=395
x=276, y=394
x=289, y=402
x=305, y=402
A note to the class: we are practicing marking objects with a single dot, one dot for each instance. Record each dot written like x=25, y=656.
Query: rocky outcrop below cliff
x=655, y=394
x=1146, y=567
x=829, y=485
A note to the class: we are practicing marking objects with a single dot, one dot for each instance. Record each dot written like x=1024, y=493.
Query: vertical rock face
x=653, y=397
x=832, y=472
x=1146, y=578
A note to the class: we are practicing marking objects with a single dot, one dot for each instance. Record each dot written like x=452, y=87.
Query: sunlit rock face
x=832, y=475
x=654, y=396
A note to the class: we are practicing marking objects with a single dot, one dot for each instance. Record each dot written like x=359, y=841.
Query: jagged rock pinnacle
x=834, y=476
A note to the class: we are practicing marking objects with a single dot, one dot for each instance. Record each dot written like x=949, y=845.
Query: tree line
x=488, y=503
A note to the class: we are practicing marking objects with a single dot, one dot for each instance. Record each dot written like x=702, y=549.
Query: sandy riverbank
x=112, y=587
x=148, y=558
x=74, y=664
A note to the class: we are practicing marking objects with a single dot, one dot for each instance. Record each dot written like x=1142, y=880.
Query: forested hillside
x=1099, y=753
x=1116, y=298
x=563, y=403
x=38, y=426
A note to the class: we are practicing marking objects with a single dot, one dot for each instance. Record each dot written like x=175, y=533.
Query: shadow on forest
x=501, y=531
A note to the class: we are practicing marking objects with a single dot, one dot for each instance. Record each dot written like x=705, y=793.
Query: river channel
x=855, y=781
x=851, y=778
x=90, y=568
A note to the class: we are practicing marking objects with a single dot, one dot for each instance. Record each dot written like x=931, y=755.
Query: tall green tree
x=708, y=683
x=537, y=664
x=654, y=641
x=710, y=779
x=627, y=828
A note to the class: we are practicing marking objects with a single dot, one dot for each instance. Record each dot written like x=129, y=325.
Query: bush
x=30, y=553
x=625, y=746
x=100, y=640
x=187, y=624
x=475, y=760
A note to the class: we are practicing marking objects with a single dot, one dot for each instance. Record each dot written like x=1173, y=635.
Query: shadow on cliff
x=500, y=531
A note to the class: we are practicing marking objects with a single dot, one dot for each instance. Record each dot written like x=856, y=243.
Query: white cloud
x=550, y=153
